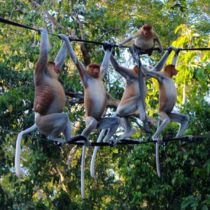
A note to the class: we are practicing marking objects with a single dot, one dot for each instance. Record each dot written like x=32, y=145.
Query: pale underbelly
x=145, y=44
x=95, y=99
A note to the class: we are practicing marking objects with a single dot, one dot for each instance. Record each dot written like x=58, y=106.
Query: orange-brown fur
x=95, y=100
x=49, y=92
x=147, y=31
x=162, y=98
x=131, y=90
x=147, y=27
x=145, y=38
x=167, y=90
x=167, y=97
x=170, y=70
x=136, y=70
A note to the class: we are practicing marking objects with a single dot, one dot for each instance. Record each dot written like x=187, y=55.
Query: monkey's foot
x=113, y=142
x=127, y=134
x=20, y=173
x=58, y=140
x=157, y=139
x=78, y=139
x=183, y=142
x=146, y=127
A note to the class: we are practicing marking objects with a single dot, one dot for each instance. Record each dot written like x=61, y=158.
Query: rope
x=9, y=22
x=94, y=42
x=17, y=24
x=133, y=142
x=82, y=140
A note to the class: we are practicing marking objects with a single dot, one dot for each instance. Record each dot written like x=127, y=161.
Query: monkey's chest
x=144, y=43
x=167, y=95
x=95, y=99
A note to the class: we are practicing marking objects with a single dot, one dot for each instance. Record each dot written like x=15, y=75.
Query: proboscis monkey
x=167, y=100
x=145, y=38
x=95, y=98
x=49, y=99
x=131, y=102
x=144, y=41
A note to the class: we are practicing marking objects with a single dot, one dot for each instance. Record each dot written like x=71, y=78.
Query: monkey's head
x=93, y=70
x=170, y=70
x=147, y=29
x=53, y=70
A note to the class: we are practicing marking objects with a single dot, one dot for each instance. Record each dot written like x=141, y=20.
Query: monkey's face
x=147, y=30
x=94, y=70
x=52, y=70
x=171, y=70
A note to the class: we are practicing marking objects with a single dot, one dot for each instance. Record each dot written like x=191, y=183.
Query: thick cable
x=9, y=22
x=134, y=142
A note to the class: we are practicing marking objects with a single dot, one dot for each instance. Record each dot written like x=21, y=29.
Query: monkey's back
x=49, y=97
x=131, y=91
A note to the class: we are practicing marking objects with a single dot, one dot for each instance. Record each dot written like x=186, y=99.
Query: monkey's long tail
x=83, y=172
x=92, y=163
x=157, y=158
x=18, y=148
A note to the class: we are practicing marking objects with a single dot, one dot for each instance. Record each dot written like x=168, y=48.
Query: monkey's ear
x=136, y=69
x=57, y=69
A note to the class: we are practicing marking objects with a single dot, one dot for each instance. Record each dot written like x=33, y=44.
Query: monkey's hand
x=170, y=49
x=160, y=50
x=177, y=50
x=108, y=46
x=64, y=37
x=120, y=45
x=42, y=30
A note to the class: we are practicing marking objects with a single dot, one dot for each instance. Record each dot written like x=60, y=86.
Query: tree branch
x=85, y=52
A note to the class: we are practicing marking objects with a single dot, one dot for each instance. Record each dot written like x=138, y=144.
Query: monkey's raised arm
x=162, y=61
x=175, y=58
x=41, y=65
x=60, y=57
x=126, y=73
x=78, y=64
x=128, y=39
x=105, y=63
x=158, y=42
x=153, y=74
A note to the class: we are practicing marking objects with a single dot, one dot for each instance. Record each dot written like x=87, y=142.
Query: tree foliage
x=126, y=176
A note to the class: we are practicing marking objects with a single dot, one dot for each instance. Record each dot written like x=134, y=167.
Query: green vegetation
x=126, y=176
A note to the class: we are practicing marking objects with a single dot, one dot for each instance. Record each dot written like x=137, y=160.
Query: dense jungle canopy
x=125, y=175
